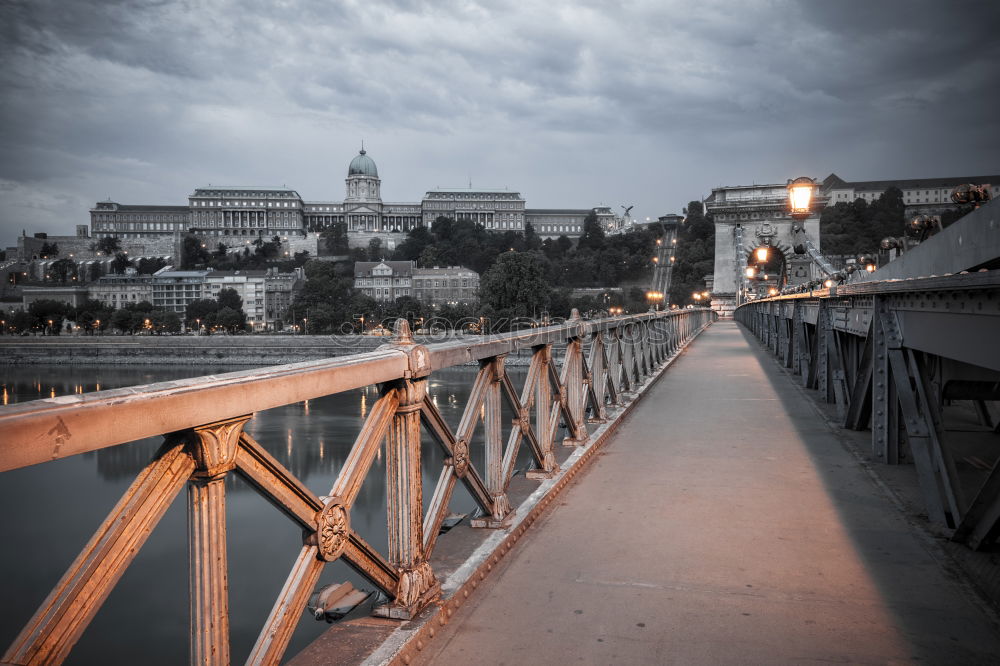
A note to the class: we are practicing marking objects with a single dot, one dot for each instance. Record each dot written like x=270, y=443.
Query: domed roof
x=362, y=165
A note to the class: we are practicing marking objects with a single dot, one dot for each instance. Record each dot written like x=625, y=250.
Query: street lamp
x=761, y=254
x=750, y=272
x=800, y=193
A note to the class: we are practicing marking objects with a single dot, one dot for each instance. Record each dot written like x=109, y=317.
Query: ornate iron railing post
x=404, y=486
x=492, y=424
x=213, y=447
x=546, y=413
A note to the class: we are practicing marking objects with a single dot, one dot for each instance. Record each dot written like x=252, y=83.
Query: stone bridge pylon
x=748, y=217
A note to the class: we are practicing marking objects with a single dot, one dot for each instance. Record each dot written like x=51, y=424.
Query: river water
x=49, y=512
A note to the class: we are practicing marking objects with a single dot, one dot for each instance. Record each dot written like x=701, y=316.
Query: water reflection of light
x=289, y=442
x=435, y=399
x=364, y=403
x=98, y=387
x=5, y=398
x=306, y=406
x=52, y=392
x=321, y=451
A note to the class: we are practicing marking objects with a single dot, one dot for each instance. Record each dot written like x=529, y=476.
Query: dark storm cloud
x=144, y=101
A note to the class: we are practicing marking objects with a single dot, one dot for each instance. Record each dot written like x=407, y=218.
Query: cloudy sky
x=571, y=103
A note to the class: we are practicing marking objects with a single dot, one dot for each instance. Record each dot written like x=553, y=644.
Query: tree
x=694, y=257
x=515, y=286
x=148, y=266
x=230, y=298
x=220, y=251
x=375, y=249
x=46, y=310
x=165, y=321
x=120, y=263
x=592, y=237
x=333, y=241
x=63, y=269
x=109, y=245
x=532, y=241
x=199, y=309
x=48, y=250
x=416, y=241
x=230, y=319
x=193, y=253
x=122, y=321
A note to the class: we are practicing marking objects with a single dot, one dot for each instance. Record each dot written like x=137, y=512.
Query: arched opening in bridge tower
x=771, y=273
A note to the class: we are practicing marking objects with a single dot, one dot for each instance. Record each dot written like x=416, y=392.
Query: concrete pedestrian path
x=725, y=523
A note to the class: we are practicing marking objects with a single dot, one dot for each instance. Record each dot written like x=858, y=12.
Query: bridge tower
x=747, y=217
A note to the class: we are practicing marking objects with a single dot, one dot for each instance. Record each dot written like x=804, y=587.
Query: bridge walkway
x=726, y=523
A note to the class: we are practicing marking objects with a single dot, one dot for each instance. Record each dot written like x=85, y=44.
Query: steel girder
x=891, y=355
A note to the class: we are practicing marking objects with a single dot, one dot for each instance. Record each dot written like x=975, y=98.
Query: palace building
x=236, y=214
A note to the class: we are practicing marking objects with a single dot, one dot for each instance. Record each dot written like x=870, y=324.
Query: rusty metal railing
x=202, y=422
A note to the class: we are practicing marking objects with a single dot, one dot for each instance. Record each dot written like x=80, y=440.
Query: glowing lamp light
x=750, y=272
x=870, y=268
x=761, y=253
x=772, y=291
x=800, y=192
x=828, y=283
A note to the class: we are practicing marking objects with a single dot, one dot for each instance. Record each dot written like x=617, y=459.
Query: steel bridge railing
x=894, y=355
x=202, y=422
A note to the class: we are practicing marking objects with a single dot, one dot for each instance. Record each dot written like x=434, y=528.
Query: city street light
x=800, y=192
x=761, y=254
x=750, y=272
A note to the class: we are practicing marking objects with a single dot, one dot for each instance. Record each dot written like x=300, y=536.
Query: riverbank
x=249, y=350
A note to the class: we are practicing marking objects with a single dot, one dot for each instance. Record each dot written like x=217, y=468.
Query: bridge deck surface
x=726, y=523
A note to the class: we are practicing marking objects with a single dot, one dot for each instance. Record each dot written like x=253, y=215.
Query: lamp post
x=800, y=194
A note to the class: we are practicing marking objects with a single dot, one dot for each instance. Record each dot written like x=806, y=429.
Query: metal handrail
x=202, y=421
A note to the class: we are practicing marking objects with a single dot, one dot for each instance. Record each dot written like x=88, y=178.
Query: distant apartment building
x=174, y=290
x=445, y=286
x=117, y=291
x=385, y=281
x=266, y=294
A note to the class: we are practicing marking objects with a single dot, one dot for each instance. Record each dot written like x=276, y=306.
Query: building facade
x=922, y=196
x=127, y=221
x=496, y=210
x=266, y=294
x=452, y=285
x=117, y=291
x=385, y=281
x=235, y=214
